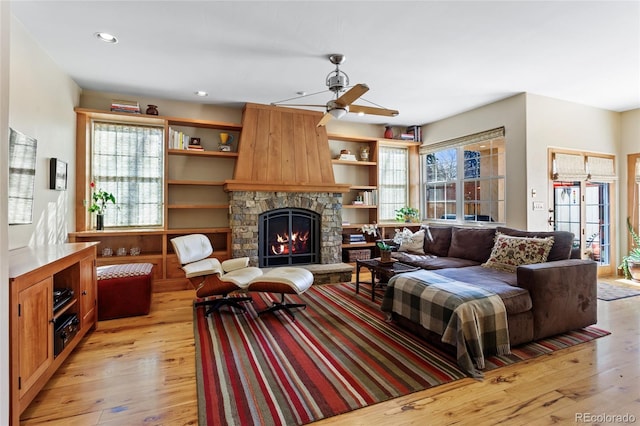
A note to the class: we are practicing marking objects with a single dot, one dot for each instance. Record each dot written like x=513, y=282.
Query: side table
x=381, y=271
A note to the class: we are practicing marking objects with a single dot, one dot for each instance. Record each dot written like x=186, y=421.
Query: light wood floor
x=141, y=371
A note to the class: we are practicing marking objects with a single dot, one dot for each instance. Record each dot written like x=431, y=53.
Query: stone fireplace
x=247, y=207
x=284, y=162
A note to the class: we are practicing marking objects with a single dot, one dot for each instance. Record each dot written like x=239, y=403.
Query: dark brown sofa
x=541, y=299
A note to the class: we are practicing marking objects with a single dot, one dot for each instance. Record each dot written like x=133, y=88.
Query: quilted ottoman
x=124, y=290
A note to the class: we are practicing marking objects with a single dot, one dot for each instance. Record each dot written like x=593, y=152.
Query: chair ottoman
x=124, y=290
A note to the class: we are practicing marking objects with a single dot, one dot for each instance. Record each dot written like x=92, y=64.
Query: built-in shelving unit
x=362, y=175
x=195, y=200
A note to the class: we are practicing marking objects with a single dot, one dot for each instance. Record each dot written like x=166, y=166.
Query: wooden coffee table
x=380, y=271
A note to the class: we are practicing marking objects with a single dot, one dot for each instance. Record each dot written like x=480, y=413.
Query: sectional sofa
x=552, y=296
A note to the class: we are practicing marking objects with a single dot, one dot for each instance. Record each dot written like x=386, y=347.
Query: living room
x=533, y=123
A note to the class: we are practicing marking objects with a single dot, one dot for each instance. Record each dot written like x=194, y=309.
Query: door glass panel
x=597, y=222
x=566, y=197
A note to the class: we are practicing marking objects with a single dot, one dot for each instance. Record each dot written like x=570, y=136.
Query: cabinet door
x=88, y=292
x=35, y=332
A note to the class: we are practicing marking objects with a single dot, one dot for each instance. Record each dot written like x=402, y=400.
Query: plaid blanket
x=472, y=319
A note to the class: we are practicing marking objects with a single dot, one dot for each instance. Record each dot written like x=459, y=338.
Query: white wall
x=509, y=113
x=552, y=123
x=5, y=24
x=630, y=144
x=41, y=103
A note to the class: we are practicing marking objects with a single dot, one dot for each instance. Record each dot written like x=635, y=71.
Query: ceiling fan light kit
x=338, y=82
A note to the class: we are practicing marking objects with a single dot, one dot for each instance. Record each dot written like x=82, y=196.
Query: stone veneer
x=246, y=207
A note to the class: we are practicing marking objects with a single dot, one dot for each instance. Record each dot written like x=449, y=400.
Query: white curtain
x=601, y=169
x=393, y=181
x=569, y=167
x=128, y=161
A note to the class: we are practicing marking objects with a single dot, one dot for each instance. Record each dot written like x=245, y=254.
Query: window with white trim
x=393, y=182
x=463, y=180
x=127, y=160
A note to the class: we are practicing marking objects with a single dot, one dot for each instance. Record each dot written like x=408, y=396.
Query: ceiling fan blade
x=324, y=120
x=304, y=105
x=352, y=94
x=373, y=111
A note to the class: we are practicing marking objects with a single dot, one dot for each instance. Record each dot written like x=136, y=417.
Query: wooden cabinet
x=34, y=274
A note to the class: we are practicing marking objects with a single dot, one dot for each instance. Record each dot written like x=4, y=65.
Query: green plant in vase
x=385, y=251
x=407, y=214
x=631, y=262
x=100, y=199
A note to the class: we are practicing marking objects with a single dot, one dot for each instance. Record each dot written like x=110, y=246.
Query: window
x=465, y=178
x=393, y=188
x=127, y=161
x=22, y=176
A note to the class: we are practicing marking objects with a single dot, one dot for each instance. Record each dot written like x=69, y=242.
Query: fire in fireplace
x=288, y=236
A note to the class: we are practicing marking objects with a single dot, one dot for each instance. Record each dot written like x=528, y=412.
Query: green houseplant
x=385, y=251
x=99, y=200
x=631, y=262
x=407, y=214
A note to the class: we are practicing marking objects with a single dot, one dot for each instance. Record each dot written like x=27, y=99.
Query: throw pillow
x=412, y=242
x=510, y=252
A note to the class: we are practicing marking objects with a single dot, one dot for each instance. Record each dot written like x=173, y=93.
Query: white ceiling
x=428, y=59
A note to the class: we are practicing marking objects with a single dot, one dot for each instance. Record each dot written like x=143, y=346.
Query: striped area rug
x=339, y=355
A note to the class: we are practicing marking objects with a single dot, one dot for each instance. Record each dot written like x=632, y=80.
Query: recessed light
x=201, y=93
x=106, y=37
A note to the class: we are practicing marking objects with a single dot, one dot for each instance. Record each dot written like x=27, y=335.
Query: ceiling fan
x=338, y=82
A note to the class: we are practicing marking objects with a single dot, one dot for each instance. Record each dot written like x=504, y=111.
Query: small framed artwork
x=57, y=174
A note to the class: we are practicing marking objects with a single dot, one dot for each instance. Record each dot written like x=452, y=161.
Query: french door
x=584, y=208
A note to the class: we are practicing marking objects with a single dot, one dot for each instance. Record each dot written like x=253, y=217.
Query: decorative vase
x=388, y=132
x=634, y=270
x=152, y=110
x=364, y=153
x=385, y=256
x=99, y=222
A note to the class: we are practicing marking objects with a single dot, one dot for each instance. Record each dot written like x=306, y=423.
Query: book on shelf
x=416, y=131
x=118, y=105
x=356, y=237
x=347, y=157
x=195, y=148
x=406, y=136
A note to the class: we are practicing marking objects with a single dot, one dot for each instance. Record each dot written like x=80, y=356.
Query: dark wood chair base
x=215, y=304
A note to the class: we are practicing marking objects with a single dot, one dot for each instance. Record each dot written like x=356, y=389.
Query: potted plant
x=98, y=205
x=407, y=214
x=385, y=251
x=631, y=262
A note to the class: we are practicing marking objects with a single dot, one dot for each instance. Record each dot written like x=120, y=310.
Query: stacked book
x=118, y=105
x=357, y=239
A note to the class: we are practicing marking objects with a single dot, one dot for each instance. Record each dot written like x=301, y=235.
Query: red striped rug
x=339, y=355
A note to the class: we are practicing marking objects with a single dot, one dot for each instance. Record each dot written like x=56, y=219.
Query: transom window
x=127, y=161
x=463, y=180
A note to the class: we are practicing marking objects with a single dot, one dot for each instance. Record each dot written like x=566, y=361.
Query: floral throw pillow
x=510, y=252
x=412, y=242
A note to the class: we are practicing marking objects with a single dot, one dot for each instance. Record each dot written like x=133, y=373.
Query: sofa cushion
x=510, y=252
x=562, y=241
x=412, y=242
x=504, y=284
x=437, y=240
x=472, y=243
x=431, y=262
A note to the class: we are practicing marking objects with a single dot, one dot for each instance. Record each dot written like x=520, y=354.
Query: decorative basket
x=359, y=255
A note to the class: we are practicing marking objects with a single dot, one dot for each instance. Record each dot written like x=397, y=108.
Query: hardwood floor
x=141, y=371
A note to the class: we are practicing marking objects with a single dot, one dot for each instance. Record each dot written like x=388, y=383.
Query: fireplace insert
x=288, y=236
